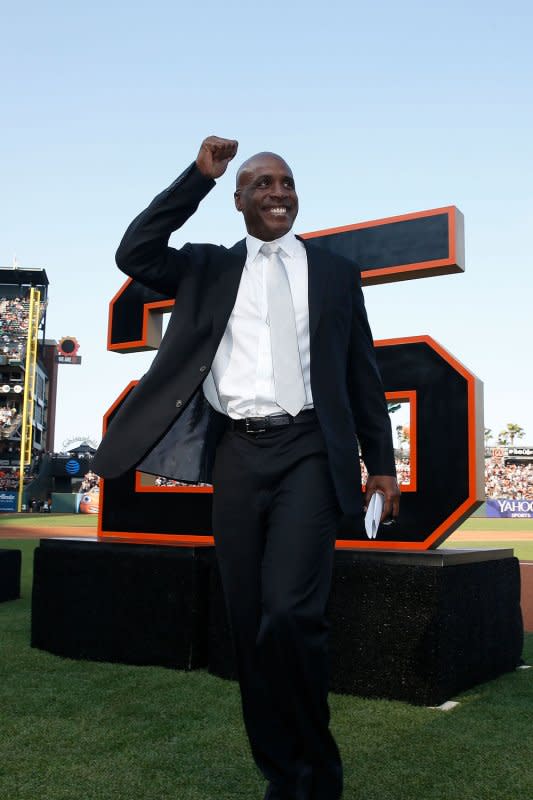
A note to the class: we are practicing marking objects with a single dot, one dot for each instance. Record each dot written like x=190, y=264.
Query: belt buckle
x=256, y=430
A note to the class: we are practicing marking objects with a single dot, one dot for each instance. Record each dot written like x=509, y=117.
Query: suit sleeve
x=367, y=396
x=143, y=253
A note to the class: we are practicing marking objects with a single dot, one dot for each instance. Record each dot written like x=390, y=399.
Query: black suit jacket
x=167, y=427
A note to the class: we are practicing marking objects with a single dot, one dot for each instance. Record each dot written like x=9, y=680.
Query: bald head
x=248, y=167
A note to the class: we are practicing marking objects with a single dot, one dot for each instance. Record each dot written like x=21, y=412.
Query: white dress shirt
x=241, y=380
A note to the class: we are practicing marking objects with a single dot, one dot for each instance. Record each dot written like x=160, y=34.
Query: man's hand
x=388, y=486
x=215, y=155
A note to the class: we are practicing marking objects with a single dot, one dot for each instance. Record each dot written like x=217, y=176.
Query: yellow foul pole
x=29, y=388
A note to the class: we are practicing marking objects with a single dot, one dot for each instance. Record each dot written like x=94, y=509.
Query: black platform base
x=131, y=604
x=10, y=561
x=419, y=627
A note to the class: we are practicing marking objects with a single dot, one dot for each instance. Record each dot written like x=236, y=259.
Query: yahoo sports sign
x=504, y=507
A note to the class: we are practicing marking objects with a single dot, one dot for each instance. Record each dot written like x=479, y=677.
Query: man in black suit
x=263, y=383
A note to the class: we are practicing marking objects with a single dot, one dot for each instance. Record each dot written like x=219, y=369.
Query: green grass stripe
x=522, y=550
x=492, y=524
x=13, y=521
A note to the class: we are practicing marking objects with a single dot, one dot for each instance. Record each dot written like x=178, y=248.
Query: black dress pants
x=275, y=518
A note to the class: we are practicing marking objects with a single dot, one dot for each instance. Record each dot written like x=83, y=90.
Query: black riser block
x=10, y=561
x=415, y=633
x=121, y=603
x=422, y=633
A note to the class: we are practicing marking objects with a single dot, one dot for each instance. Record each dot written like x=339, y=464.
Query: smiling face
x=266, y=196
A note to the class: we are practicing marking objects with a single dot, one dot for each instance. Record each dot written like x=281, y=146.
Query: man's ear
x=237, y=198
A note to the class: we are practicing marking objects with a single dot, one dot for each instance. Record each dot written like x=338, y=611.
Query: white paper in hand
x=373, y=515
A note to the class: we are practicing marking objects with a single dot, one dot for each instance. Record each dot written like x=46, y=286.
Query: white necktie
x=288, y=377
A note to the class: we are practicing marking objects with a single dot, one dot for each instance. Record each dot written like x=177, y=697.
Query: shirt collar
x=288, y=242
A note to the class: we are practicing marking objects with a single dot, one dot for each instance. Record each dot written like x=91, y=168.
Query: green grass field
x=522, y=550
x=491, y=524
x=73, y=730
x=47, y=520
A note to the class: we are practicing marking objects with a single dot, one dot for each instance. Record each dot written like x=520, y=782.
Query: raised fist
x=215, y=155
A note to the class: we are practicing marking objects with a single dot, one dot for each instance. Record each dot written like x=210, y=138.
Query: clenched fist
x=215, y=155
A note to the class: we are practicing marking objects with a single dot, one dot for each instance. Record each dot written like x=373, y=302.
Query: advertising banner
x=8, y=501
x=504, y=507
x=520, y=453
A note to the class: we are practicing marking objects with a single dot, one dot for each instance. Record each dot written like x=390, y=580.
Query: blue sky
x=380, y=110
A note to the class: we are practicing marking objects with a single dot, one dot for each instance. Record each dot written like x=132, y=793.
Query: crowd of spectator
x=513, y=481
x=160, y=481
x=9, y=416
x=14, y=318
x=90, y=480
x=13, y=326
x=403, y=471
x=9, y=480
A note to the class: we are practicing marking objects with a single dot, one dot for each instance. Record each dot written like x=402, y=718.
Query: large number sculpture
x=445, y=399
x=417, y=626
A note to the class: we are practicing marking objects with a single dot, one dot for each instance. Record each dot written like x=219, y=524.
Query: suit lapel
x=317, y=278
x=227, y=286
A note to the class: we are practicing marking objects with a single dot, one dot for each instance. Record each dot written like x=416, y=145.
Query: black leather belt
x=263, y=424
